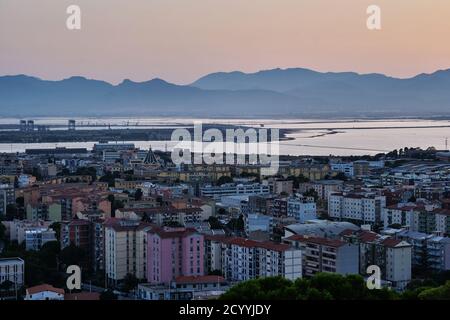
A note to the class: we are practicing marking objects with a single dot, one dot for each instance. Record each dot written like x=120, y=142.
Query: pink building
x=173, y=252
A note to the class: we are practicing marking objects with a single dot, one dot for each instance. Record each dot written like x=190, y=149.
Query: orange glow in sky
x=181, y=40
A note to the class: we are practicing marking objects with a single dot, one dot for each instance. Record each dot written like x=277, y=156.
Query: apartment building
x=87, y=235
x=241, y=259
x=12, y=269
x=325, y=255
x=125, y=249
x=7, y=196
x=36, y=237
x=301, y=208
x=230, y=189
x=174, y=252
x=323, y=187
x=17, y=228
x=257, y=222
x=360, y=208
x=393, y=256
x=429, y=252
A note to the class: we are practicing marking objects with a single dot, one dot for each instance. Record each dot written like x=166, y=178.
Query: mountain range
x=270, y=93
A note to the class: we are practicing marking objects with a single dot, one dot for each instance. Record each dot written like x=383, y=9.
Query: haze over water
x=310, y=137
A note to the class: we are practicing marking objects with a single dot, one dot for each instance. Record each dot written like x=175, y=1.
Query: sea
x=321, y=137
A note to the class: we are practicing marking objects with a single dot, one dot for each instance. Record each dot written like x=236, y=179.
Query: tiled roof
x=44, y=287
x=317, y=240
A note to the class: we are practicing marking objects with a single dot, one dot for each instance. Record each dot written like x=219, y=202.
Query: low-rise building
x=13, y=270
x=185, y=288
x=44, y=292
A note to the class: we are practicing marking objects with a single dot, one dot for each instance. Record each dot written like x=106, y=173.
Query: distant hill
x=283, y=93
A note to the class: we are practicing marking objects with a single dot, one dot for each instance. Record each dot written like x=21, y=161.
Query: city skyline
x=180, y=42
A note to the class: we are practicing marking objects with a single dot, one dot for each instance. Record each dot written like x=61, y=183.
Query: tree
x=138, y=195
x=322, y=286
x=11, y=212
x=2, y=232
x=214, y=223
x=130, y=282
x=20, y=202
x=6, y=285
x=312, y=193
x=439, y=293
x=108, y=295
x=56, y=226
x=296, y=181
x=340, y=176
x=237, y=224
x=223, y=180
x=73, y=255
x=49, y=254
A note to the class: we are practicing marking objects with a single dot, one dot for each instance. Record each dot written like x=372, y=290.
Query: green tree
x=311, y=193
x=223, y=180
x=130, y=282
x=11, y=211
x=236, y=224
x=56, y=226
x=2, y=232
x=138, y=195
x=73, y=255
x=439, y=293
x=108, y=295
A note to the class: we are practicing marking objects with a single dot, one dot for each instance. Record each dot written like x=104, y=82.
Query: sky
x=182, y=40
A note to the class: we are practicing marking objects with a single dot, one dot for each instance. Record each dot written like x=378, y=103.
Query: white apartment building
x=364, y=208
x=344, y=167
x=325, y=187
x=7, y=196
x=36, y=237
x=435, y=249
x=242, y=259
x=230, y=189
x=302, y=208
x=393, y=256
x=12, y=269
x=418, y=217
x=125, y=249
x=325, y=255
x=17, y=228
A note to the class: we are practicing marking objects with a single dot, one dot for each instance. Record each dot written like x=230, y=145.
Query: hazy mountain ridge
x=279, y=92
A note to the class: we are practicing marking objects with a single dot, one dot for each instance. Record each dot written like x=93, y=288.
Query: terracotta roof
x=391, y=242
x=173, y=232
x=317, y=240
x=368, y=236
x=347, y=232
x=242, y=242
x=199, y=279
x=44, y=287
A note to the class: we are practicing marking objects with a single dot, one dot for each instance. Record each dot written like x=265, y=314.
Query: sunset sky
x=181, y=40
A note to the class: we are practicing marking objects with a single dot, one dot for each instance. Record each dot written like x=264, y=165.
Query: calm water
x=312, y=137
